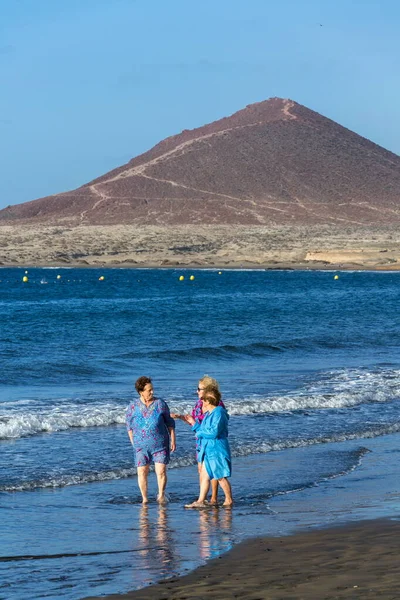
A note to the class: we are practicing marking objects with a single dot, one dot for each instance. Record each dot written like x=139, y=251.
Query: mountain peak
x=272, y=162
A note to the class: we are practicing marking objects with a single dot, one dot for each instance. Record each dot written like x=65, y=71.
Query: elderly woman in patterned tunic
x=151, y=430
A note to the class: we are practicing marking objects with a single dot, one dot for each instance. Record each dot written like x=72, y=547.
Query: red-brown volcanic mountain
x=274, y=162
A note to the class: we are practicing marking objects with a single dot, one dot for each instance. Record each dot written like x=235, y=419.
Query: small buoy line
x=59, y=278
x=25, y=278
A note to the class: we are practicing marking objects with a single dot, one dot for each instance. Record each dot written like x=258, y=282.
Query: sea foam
x=332, y=390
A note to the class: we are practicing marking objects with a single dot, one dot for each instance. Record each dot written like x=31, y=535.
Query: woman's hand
x=189, y=419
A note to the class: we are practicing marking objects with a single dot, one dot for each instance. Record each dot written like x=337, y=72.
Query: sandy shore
x=276, y=247
x=356, y=561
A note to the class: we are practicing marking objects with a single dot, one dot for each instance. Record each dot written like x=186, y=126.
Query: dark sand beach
x=359, y=560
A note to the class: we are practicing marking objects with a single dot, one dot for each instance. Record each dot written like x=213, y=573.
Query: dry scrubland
x=202, y=246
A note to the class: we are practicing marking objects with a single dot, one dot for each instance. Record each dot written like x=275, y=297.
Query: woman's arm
x=129, y=414
x=172, y=439
x=213, y=427
x=196, y=415
x=169, y=421
x=185, y=418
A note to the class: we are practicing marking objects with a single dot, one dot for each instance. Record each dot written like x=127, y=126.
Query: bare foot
x=162, y=500
x=196, y=504
x=228, y=504
x=145, y=501
x=213, y=502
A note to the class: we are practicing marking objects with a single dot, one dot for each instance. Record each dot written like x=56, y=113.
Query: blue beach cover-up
x=198, y=416
x=214, y=446
x=149, y=426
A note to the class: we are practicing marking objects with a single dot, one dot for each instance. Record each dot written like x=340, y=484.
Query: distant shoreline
x=197, y=267
x=311, y=248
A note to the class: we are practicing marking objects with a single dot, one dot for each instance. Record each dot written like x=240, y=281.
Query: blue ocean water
x=309, y=367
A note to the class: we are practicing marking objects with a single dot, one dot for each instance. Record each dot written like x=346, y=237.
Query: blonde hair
x=207, y=381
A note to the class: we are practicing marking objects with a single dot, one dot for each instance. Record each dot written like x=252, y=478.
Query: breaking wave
x=333, y=390
x=241, y=450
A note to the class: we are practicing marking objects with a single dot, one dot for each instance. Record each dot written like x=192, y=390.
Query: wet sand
x=355, y=561
x=202, y=246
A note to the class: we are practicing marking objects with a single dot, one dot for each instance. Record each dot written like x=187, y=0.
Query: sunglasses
x=200, y=389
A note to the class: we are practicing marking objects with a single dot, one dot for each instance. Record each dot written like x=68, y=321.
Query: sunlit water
x=310, y=372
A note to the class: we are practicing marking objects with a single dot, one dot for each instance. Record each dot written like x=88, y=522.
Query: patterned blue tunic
x=149, y=426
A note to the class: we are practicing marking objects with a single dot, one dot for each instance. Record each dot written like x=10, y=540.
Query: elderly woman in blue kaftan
x=214, y=452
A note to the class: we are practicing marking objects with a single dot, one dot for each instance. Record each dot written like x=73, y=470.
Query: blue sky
x=88, y=84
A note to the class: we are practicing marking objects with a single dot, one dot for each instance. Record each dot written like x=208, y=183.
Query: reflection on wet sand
x=158, y=547
x=215, y=525
x=155, y=540
x=164, y=538
x=144, y=529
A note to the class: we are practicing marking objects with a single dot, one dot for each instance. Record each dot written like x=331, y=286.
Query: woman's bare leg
x=199, y=468
x=204, y=488
x=204, y=484
x=214, y=486
x=226, y=487
x=143, y=473
x=214, y=491
x=161, y=472
x=199, y=465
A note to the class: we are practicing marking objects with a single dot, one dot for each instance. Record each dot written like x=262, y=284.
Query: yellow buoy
x=191, y=277
x=181, y=278
x=101, y=278
x=219, y=272
x=25, y=279
x=58, y=276
x=336, y=277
